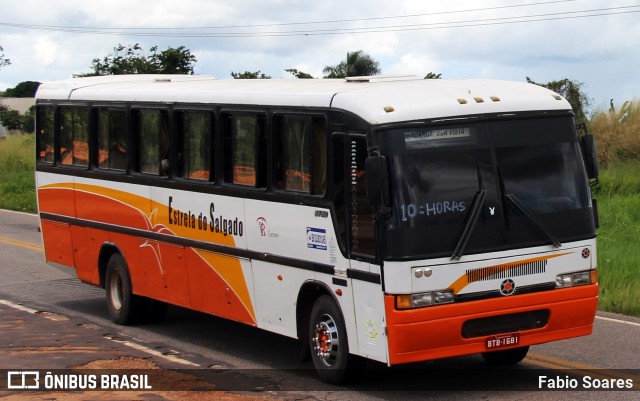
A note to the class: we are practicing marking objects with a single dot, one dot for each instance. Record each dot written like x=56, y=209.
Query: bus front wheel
x=506, y=357
x=124, y=306
x=328, y=341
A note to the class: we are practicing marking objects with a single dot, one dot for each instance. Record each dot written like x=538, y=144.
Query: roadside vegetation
x=619, y=238
x=17, y=167
x=617, y=134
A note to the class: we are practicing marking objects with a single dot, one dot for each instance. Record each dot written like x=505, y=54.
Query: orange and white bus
x=389, y=218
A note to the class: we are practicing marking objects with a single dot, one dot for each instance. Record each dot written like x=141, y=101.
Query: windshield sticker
x=427, y=138
x=412, y=210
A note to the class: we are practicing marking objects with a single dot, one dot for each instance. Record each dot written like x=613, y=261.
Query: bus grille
x=505, y=323
x=506, y=271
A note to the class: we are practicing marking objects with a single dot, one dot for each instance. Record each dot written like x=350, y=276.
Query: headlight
x=443, y=297
x=573, y=279
x=412, y=301
x=420, y=300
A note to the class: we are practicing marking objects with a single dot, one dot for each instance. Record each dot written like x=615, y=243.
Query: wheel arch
x=307, y=296
x=106, y=251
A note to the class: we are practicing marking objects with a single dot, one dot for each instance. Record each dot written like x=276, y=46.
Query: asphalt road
x=56, y=310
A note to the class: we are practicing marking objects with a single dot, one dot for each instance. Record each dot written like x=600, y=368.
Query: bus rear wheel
x=506, y=357
x=328, y=341
x=124, y=306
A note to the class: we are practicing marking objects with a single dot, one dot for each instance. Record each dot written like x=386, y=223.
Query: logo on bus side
x=264, y=230
x=317, y=238
x=215, y=223
x=262, y=226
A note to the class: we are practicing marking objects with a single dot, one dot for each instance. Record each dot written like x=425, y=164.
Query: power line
x=511, y=6
x=463, y=25
x=431, y=14
x=438, y=25
x=338, y=31
x=483, y=21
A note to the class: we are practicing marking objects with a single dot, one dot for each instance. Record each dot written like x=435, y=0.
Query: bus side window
x=73, y=131
x=245, y=150
x=301, y=155
x=46, y=127
x=153, y=142
x=113, y=139
x=196, y=153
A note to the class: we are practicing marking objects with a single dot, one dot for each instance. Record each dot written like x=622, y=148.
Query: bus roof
x=377, y=100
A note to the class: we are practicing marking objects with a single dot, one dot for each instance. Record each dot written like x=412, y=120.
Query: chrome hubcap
x=326, y=341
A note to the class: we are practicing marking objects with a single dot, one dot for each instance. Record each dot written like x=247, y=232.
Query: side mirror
x=588, y=145
x=596, y=216
x=377, y=180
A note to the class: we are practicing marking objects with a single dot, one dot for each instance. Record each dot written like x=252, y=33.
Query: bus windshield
x=524, y=176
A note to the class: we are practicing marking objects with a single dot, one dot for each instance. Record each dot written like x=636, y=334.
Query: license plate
x=503, y=340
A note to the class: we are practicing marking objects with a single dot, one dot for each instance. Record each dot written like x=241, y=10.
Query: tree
x=3, y=61
x=249, y=75
x=299, y=74
x=29, y=120
x=131, y=59
x=11, y=119
x=123, y=60
x=572, y=91
x=357, y=64
x=173, y=61
x=433, y=75
x=23, y=89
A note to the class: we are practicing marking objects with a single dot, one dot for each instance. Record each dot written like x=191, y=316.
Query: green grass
x=17, y=166
x=618, y=198
x=619, y=239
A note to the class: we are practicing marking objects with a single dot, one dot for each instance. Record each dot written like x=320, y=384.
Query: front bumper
x=436, y=332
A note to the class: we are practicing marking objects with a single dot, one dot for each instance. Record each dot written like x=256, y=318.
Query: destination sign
x=419, y=139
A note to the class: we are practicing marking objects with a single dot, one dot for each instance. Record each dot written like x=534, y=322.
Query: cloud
x=45, y=50
x=415, y=63
x=481, y=38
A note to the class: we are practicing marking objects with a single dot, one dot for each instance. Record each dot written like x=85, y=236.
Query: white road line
x=159, y=354
x=18, y=307
x=119, y=341
x=47, y=315
x=608, y=319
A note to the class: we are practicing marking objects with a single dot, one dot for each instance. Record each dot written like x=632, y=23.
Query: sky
x=595, y=42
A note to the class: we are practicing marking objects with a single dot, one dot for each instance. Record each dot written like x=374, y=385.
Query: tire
x=506, y=357
x=328, y=342
x=124, y=307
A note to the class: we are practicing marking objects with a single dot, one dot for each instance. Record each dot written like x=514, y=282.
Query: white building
x=19, y=104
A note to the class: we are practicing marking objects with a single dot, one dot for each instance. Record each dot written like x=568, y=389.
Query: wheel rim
x=326, y=341
x=115, y=291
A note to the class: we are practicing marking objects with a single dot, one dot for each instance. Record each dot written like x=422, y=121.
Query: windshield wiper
x=532, y=217
x=478, y=201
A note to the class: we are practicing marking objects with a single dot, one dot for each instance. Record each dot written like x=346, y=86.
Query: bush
x=17, y=167
x=617, y=134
